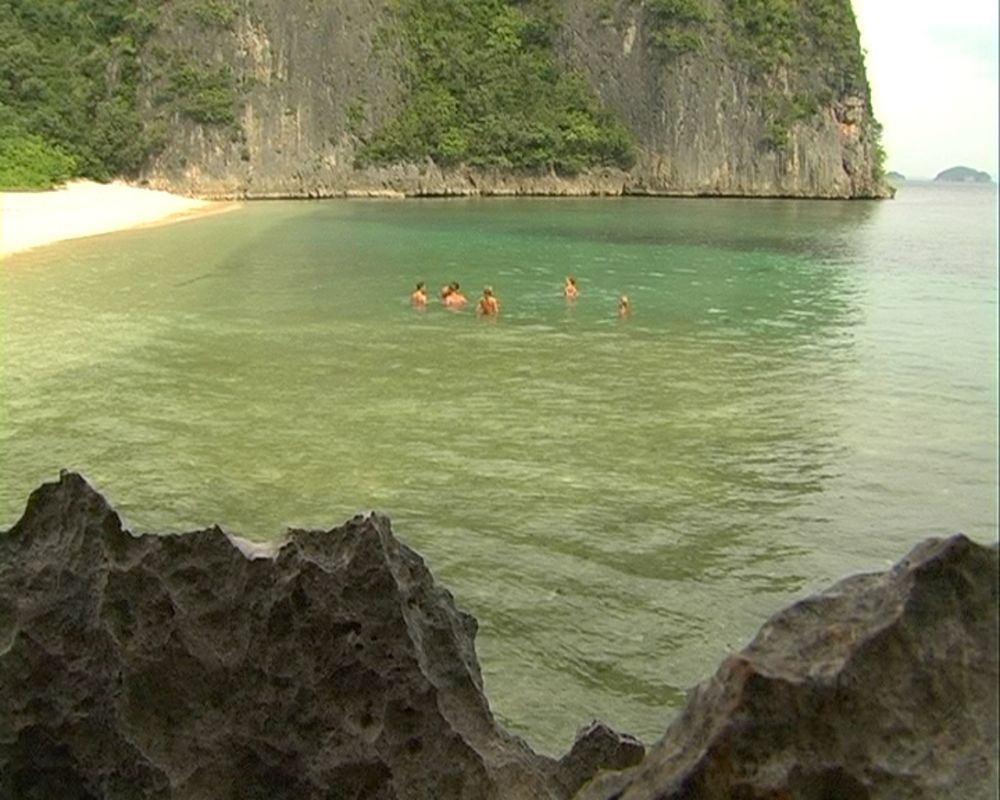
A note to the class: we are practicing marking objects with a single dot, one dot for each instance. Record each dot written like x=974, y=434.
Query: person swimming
x=454, y=299
x=419, y=297
x=624, y=307
x=488, y=305
x=570, y=290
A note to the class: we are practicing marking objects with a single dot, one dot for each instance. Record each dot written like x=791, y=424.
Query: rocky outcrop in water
x=330, y=665
x=196, y=666
x=884, y=687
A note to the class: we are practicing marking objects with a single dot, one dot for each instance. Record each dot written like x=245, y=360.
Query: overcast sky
x=932, y=66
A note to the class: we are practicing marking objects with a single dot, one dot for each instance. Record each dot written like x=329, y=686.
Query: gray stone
x=597, y=744
x=882, y=687
x=199, y=666
x=331, y=665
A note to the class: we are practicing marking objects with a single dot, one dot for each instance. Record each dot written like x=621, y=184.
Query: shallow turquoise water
x=804, y=389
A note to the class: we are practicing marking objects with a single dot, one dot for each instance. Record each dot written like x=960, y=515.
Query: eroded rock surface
x=884, y=686
x=331, y=666
x=191, y=666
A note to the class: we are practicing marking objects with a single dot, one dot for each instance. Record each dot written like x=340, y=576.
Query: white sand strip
x=85, y=208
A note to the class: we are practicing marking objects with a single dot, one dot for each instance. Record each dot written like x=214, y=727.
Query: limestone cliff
x=718, y=97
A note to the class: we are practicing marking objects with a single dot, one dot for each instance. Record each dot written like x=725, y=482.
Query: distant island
x=963, y=175
x=895, y=176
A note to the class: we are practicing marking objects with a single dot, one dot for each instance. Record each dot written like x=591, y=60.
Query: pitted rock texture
x=883, y=687
x=195, y=666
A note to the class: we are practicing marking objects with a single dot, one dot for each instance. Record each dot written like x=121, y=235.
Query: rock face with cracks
x=882, y=687
x=194, y=666
x=312, y=82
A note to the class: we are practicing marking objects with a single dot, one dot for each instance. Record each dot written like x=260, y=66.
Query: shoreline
x=81, y=209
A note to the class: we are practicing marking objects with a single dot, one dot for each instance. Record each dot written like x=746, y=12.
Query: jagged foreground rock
x=195, y=667
x=190, y=667
x=884, y=686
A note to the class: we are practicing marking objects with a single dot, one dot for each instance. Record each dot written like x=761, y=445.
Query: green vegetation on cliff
x=677, y=25
x=69, y=73
x=202, y=94
x=805, y=54
x=831, y=27
x=71, y=77
x=805, y=34
x=484, y=89
x=767, y=31
x=217, y=13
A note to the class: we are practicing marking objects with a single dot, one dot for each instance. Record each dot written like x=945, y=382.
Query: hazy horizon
x=891, y=169
x=933, y=75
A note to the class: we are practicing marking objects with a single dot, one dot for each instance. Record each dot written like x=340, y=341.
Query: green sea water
x=804, y=389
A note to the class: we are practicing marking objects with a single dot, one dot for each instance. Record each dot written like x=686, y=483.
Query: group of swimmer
x=488, y=305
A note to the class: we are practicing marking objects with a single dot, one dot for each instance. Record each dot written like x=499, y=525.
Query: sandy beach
x=85, y=208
